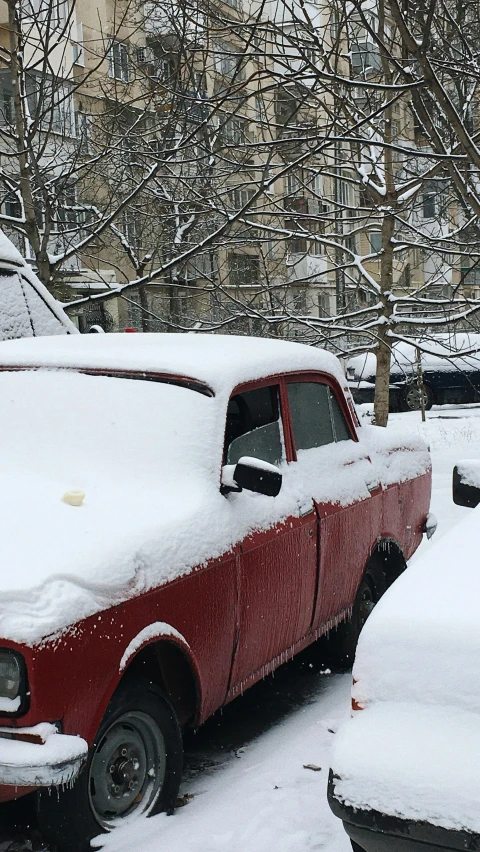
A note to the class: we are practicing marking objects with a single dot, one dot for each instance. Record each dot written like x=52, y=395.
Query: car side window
x=316, y=416
x=253, y=426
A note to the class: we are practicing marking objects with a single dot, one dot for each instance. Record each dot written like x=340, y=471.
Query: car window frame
x=258, y=384
x=282, y=380
x=337, y=392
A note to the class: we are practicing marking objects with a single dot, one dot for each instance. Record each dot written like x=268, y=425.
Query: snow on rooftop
x=217, y=360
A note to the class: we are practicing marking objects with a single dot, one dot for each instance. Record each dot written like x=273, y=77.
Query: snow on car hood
x=148, y=457
x=422, y=642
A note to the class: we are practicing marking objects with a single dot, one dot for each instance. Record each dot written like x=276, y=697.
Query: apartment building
x=203, y=144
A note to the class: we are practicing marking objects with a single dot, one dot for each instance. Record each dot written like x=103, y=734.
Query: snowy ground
x=261, y=797
x=247, y=788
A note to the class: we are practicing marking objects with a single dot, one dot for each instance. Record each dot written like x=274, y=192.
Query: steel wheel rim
x=127, y=770
x=413, y=398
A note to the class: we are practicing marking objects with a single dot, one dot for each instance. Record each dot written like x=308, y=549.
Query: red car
x=180, y=515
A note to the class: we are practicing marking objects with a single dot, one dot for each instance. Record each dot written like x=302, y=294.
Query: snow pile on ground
x=148, y=457
x=453, y=433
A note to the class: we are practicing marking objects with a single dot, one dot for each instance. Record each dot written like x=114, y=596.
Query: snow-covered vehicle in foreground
x=404, y=771
x=27, y=309
x=450, y=367
x=180, y=514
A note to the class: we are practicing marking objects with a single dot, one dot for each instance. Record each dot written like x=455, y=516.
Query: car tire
x=411, y=399
x=356, y=847
x=343, y=640
x=134, y=764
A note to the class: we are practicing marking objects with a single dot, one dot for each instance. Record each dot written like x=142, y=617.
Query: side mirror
x=253, y=475
x=466, y=483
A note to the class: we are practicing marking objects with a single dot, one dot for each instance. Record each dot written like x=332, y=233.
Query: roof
x=220, y=361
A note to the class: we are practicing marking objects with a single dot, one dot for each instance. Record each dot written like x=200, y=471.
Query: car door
x=342, y=484
x=278, y=564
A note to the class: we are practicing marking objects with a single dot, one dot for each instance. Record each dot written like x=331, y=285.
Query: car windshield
x=75, y=427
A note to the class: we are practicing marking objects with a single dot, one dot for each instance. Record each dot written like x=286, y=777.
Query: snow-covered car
x=27, y=309
x=448, y=376
x=405, y=767
x=180, y=514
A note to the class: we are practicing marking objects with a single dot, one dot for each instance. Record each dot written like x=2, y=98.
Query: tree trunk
x=382, y=383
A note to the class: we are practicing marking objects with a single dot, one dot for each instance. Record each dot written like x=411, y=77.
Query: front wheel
x=134, y=767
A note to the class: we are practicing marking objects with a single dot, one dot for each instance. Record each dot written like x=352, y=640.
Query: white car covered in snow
x=404, y=771
x=27, y=309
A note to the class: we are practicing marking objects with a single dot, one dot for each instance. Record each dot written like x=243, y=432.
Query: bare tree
x=311, y=172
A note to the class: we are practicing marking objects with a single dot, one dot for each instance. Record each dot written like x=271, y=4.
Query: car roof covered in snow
x=219, y=361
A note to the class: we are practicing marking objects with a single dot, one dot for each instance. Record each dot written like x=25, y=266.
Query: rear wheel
x=356, y=847
x=134, y=767
x=412, y=397
x=345, y=638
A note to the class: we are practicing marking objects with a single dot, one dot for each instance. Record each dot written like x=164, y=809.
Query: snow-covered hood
x=422, y=642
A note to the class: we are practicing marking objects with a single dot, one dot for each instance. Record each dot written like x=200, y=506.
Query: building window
x=260, y=111
x=69, y=212
x=293, y=183
x=344, y=192
x=299, y=301
x=12, y=206
x=50, y=101
x=240, y=197
x=77, y=46
x=295, y=244
x=365, y=58
x=323, y=305
x=118, y=65
x=244, y=269
x=6, y=108
x=50, y=12
x=375, y=240
x=82, y=131
x=227, y=60
x=234, y=131
x=428, y=205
